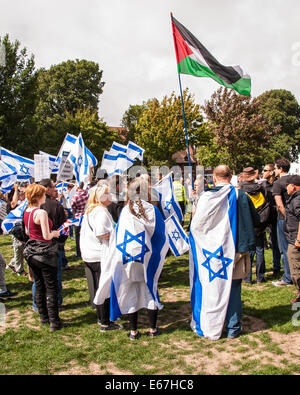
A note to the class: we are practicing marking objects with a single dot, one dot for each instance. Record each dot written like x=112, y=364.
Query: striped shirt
x=79, y=202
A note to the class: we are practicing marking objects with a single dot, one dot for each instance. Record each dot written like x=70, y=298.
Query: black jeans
x=103, y=310
x=152, y=317
x=46, y=294
x=77, y=237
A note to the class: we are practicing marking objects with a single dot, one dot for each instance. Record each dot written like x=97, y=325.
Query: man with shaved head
x=222, y=173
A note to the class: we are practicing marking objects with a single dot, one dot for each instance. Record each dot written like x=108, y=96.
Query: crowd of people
x=268, y=212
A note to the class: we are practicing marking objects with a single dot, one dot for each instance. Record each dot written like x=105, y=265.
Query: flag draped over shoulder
x=194, y=59
x=14, y=217
x=24, y=166
x=131, y=269
x=167, y=199
x=212, y=251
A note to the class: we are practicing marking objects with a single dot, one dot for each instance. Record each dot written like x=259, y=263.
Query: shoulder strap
x=28, y=225
x=87, y=216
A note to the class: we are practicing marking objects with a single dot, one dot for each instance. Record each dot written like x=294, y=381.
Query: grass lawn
x=269, y=344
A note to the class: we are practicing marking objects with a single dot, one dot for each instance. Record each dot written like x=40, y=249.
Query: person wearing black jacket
x=269, y=179
x=255, y=191
x=292, y=231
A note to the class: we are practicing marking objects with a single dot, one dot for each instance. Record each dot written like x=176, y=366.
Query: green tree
x=64, y=89
x=160, y=128
x=281, y=108
x=130, y=120
x=240, y=134
x=18, y=99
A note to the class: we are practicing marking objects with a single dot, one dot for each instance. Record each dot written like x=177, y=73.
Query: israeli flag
x=53, y=164
x=134, y=151
x=79, y=159
x=68, y=145
x=14, y=217
x=178, y=240
x=8, y=176
x=212, y=250
x=167, y=198
x=61, y=187
x=133, y=264
x=23, y=166
x=116, y=161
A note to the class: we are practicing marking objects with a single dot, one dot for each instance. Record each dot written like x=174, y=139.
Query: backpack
x=19, y=230
x=263, y=209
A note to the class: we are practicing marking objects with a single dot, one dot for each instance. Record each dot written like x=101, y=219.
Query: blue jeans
x=283, y=248
x=260, y=259
x=234, y=310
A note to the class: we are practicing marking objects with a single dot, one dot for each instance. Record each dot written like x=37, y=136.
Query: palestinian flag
x=193, y=58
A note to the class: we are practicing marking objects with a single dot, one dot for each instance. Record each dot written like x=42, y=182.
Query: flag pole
x=186, y=134
x=183, y=112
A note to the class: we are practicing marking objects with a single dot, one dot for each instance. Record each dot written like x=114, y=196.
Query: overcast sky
x=133, y=44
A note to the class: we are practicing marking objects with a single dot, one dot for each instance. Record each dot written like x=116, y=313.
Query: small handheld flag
x=178, y=240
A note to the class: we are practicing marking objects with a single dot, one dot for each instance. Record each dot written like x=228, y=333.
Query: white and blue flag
x=167, y=198
x=23, y=166
x=14, y=217
x=178, y=240
x=116, y=160
x=133, y=264
x=79, y=159
x=134, y=151
x=121, y=157
x=8, y=176
x=53, y=164
x=68, y=145
x=212, y=251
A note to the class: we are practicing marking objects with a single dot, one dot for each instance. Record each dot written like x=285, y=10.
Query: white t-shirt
x=101, y=222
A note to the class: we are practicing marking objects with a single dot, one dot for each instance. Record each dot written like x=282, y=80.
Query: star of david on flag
x=210, y=264
x=178, y=240
x=24, y=169
x=212, y=239
x=175, y=235
x=167, y=198
x=136, y=251
x=23, y=166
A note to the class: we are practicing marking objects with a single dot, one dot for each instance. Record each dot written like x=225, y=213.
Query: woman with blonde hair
x=96, y=229
x=135, y=261
x=41, y=255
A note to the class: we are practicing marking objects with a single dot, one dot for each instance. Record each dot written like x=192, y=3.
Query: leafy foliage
x=160, y=128
x=281, y=108
x=18, y=98
x=63, y=90
x=240, y=134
